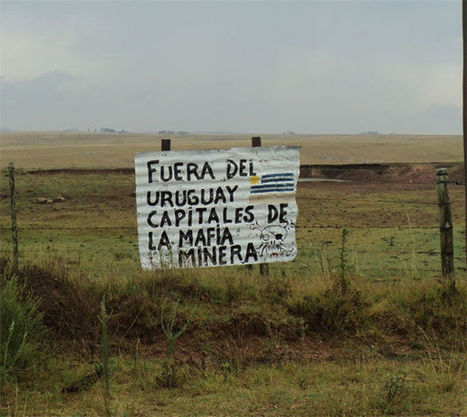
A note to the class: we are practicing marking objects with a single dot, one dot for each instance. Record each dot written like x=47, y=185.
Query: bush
x=438, y=308
x=20, y=328
x=332, y=312
x=70, y=305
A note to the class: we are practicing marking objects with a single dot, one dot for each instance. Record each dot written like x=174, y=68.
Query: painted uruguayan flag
x=282, y=182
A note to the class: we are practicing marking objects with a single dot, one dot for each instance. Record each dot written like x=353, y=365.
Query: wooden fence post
x=165, y=144
x=445, y=223
x=464, y=113
x=14, y=227
x=255, y=143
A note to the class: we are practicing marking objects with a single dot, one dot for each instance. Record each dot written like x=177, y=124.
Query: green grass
x=382, y=348
x=341, y=388
x=393, y=227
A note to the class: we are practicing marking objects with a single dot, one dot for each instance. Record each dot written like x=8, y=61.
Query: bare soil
x=420, y=173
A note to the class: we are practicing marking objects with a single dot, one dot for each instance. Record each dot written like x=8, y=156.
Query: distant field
x=85, y=150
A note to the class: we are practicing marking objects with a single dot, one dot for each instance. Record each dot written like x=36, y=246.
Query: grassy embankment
x=293, y=345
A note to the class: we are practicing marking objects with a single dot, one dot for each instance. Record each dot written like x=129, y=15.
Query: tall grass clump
x=68, y=300
x=392, y=398
x=341, y=280
x=438, y=308
x=446, y=369
x=104, y=319
x=20, y=329
x=169, y=374
x=339, y=308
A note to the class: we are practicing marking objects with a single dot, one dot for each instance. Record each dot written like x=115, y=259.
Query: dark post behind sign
x=165, y=144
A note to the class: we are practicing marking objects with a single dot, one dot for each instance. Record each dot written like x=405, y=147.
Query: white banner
x=216, y=207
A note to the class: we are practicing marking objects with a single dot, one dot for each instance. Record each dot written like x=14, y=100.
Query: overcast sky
x=309, y=67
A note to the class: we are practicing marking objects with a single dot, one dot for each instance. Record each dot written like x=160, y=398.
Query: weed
x=393, y=395
x=232, y=292
x=339, y=308
x=341, y=282
x=20, y=327
x=279, y=289
x=169, y=373
x=86, y=381
x=438, y=307
x=323, y=263
x=136, y=352
x=104, y=319
x=168, y=328
x=448, y=372
x=303, y=381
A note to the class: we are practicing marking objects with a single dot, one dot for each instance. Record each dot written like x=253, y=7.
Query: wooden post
x=255, y=143
x=14, y=227
x=464, y=113
x=445, y=223
x=165, y=144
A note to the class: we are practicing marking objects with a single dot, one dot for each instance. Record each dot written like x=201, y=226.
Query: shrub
x=70, y=306
x=393, y=395
x=331, y=311
x=340, y=308
x=20, y=328
x=438, y=307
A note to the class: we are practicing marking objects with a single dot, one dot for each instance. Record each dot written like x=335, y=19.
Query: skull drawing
x=272, y=240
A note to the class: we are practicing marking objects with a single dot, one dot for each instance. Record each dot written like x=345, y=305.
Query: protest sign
x=216, y=207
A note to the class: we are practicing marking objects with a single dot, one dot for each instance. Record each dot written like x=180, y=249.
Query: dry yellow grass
x=87, y=150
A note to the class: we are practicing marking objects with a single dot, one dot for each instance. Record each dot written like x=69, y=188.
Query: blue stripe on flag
x=278, y=179
x=285, y=184
x=285, y=174
x=271, y=190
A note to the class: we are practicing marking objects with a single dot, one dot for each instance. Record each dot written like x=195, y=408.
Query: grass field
x=293, y=344
x=48, y=150
x=393, y=232
x=393, y=228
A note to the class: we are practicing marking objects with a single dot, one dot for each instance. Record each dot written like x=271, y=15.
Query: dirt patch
x=422, y=173
x=387, y=173
x=78, y=171
x=209, y=352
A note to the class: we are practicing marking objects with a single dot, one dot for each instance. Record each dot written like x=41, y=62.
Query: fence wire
x=118, y=197
x=82, y=198
x=297, y=227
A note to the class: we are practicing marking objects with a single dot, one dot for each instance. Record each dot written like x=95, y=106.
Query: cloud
x=46, y=101
x=238, y=66
x=439, y=119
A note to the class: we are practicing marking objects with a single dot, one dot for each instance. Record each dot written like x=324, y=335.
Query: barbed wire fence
x=29, y=195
